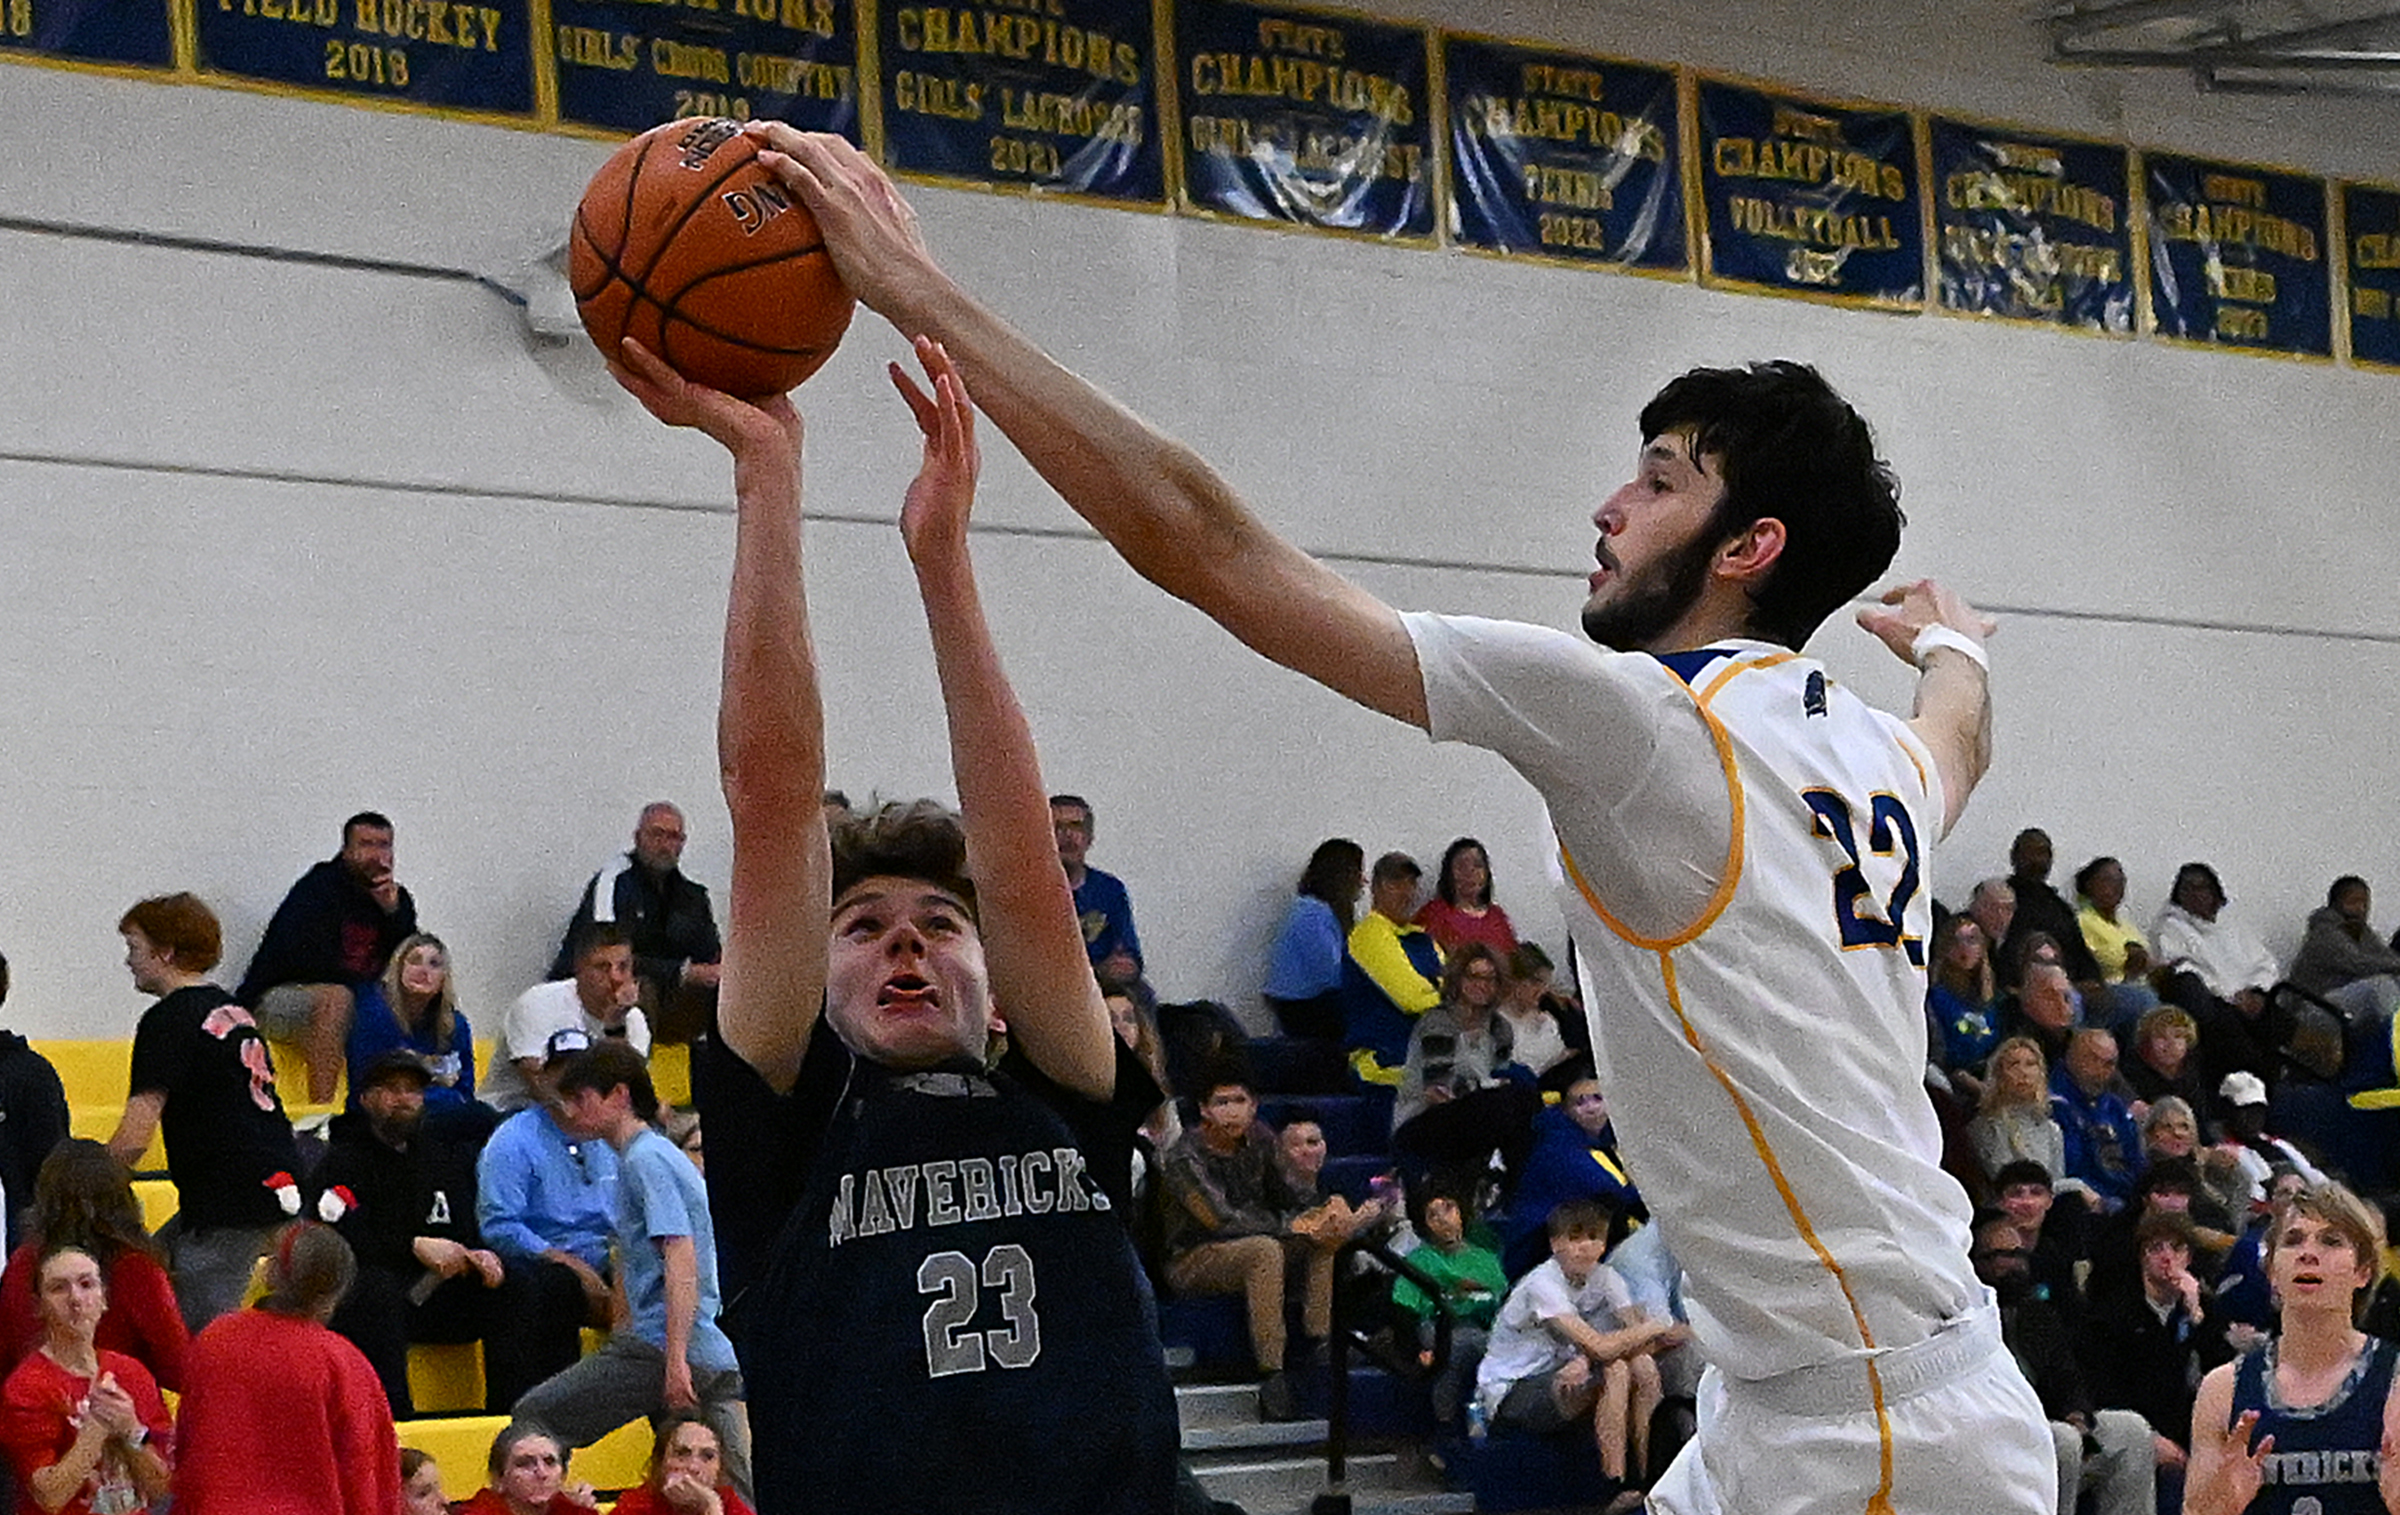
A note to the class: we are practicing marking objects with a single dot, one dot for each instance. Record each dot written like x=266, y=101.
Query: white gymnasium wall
x=281, y=538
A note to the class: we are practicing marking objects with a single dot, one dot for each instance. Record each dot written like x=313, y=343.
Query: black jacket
x=328, y=930
x=33, y=1119
x=667, y=917
x=394, y=1197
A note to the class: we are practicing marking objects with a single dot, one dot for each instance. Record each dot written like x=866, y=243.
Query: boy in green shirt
x=1471, y=1279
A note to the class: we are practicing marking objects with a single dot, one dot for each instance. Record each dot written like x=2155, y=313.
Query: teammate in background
x=1745, y=848
x=936, y=1290
x=2309, y=1421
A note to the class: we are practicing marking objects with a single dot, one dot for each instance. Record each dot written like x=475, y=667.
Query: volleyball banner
x=2237, y=256
x=2030, y=227
x=1561, y=155
x=138, y=32
x=626, y=65
x=1305, y=117
x=469, y=55
x=1061, y=99
x=1809, y=197
x=2371, y=228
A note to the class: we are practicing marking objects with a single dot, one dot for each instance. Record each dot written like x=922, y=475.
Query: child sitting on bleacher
x=1470, y=1279
x=1570, y=1345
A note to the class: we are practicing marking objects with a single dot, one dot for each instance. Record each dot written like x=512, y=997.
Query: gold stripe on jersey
x=1880, y=1502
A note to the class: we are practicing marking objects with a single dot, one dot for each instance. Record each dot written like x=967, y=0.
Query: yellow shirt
x=2108, y=941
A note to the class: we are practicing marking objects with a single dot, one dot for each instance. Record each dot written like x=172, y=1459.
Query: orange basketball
x=686, y=244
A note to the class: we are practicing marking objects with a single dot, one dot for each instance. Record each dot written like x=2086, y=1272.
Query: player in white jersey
x=1745, y=846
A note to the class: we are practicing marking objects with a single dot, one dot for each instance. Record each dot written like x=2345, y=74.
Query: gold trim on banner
x=543, y=44
x=1933, y=251
x=183, y=29
x=2137, y=205
x=867, y=16
x=1041, y=192
x=2137, y=159
x=1170, y=100
x=1711, y=279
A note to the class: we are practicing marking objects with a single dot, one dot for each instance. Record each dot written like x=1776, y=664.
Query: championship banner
x=627, y=65
x=2237, y=256
x=1808, y=197
x=465, y=55
x=1560, y=155
x=2371, y=223
x=2031, y=227
x=138, y=32
x=1305, y=117
x=1059, y=94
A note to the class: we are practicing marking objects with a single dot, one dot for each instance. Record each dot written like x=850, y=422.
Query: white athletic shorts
x=1968, y=1437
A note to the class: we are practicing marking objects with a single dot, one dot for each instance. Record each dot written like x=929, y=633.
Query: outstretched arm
x=1040, y=974
x=1165, y=511
x=770, y=728
x=1954, y=696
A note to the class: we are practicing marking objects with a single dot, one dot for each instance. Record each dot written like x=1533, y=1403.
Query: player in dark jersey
x=933, y=1293
x=2308, y=1424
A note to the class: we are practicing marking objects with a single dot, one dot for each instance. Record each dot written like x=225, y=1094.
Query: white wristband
x=1938, y=635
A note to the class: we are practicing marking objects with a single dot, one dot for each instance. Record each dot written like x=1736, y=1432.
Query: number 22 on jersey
x=1862, y=916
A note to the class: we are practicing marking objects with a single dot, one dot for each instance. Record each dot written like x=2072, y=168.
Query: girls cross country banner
x=1328, y=120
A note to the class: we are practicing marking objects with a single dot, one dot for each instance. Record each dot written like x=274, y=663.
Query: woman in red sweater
x=1461, y=909
x=529, y=1477
x=84, y=1427
x=83, y=1198
x=684, y=1474
x=279, y=1415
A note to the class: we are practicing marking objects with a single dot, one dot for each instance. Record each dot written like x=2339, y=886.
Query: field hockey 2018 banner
x=1809, y=197
x=2030, y=227
x=1305, y=117
x=1059, y=97
x=2237, y=256
x=1560, y=155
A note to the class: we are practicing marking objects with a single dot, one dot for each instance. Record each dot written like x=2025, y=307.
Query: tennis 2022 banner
x=2237, y=256
x=1809, y=197
x=2031, y=227
x=1561, y=155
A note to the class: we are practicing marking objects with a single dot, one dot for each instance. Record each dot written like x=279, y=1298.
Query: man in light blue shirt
x=548, y=1200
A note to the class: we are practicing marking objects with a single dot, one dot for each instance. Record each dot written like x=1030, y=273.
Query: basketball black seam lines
x=611, y=264
x=670, y=308
x=667, y=237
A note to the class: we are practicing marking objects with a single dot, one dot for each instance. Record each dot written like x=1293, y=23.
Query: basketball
x=687, y=244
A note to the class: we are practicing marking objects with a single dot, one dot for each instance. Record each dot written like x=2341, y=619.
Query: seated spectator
x=2342, y=959
x=1569, y=1346
x=83, y=1199
x=1461, y=1096
x=1462, y=909
x=2013, y=1123
x=2171, y=1132
x=2311, y=1411
x=1962, y=998
x=1230, y=1230
x=1330, y=1219
x=1101, y=903
x=2054, y=1235
x=420, y=1484
x=2116, y=945
x=333, y=933
x=2043, y=909
x=404, y=1198
x=1469, y=1279
x=2044, y=1011
x=1547, y=1032
x=2220, y=972
x=2145, y=1350
x=413, y=1007
x=1574, y=1156
x=1391, y=974
x=2246, y=1301
x=546, y=1200
x=1993, y=907
x=1137, y=1029
x=33, y=1117
x=280, y=1416
x=2103, y=1145
x=528, y=1470
x=2168, y=1187
x=685, y=1473
x=2243, y=1099
x=2108, y=1454
x=600, y=1001
x=202, y=1071
x=2163, y=1062
x=1304, y=967
x=669, y=1352
x=666, y=919
x=86, y=1429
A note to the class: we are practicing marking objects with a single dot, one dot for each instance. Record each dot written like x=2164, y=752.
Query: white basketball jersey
x=1746, y=880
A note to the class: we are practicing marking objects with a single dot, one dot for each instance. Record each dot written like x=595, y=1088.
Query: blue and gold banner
x=626, y=65
x=1808, y=197
x=2371, y=227
x=2237, y=256
x=466, y=55
x=137, y=32
x=1561, y=155
x=2031, y=227
x=1305, y=117
x=1058, y=94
